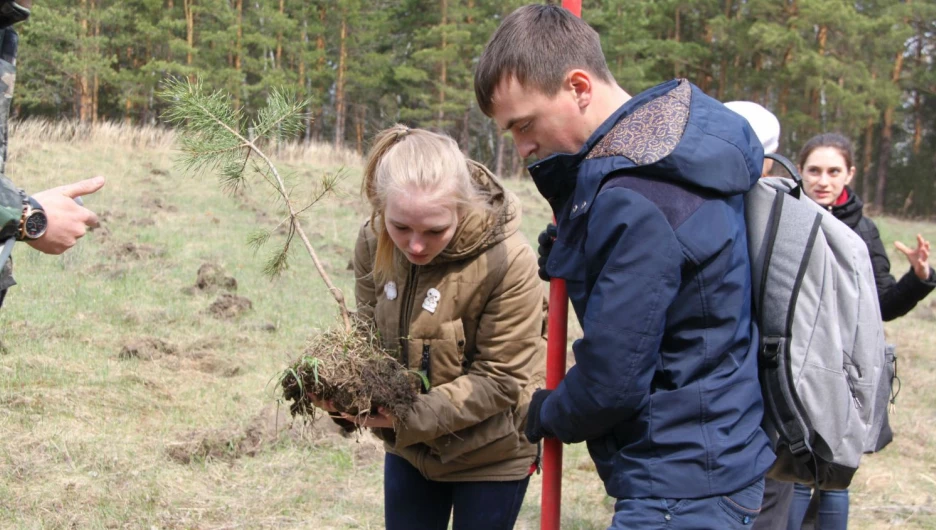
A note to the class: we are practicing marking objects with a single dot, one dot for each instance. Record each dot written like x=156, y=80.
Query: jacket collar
x=557, y=177
x=850, y=212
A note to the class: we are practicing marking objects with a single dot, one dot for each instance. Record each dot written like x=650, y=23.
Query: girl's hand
x=382, y=420
x=919, y=258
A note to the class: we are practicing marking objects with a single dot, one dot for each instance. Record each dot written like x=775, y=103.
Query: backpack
x=822, y=353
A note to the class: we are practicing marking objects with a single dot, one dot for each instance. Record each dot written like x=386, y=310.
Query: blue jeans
x=412, y=502
x=724, y=512
x=833, y=508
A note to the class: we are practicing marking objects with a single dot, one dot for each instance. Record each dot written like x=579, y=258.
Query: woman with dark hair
x=825, y=163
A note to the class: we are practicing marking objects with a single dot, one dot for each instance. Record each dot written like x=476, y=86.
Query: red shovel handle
x=556, y=338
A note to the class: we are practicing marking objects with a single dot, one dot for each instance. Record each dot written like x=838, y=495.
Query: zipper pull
x=851, y=387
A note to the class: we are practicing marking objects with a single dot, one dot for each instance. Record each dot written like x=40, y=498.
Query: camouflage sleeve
x=11, y=200
x=11, y=197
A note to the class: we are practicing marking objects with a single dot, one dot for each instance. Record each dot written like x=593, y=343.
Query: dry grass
x=34, y=132
x=185, y=432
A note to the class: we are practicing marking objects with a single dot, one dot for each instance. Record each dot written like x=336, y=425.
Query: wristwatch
x=34, y=222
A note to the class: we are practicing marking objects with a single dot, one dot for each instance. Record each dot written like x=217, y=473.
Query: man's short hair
x=537, y=45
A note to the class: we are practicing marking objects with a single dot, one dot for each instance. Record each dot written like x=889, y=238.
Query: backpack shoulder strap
x=787, y=165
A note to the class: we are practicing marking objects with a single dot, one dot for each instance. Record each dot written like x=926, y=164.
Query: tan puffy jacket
x=485, y=343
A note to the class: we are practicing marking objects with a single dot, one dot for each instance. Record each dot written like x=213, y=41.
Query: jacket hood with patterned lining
x=663, y=134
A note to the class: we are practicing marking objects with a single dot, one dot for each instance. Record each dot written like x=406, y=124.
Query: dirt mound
x=156, y=203
x=270, y=427
x=204, y=356
x=228, y=306
x=147, y=348
x=212, y=278
x=135, y=251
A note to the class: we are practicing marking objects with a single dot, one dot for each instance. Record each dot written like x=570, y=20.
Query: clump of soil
x=156, y=203
x=210, y=279
x=147, y=348
x=136, y=251
x=145, y=221
x=353, y=372
x=228, y=306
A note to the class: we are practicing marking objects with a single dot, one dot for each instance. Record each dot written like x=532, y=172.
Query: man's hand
x=919, y=258
x=382, y=420
x=545, y=241
x=68, y=220
x=534, y=426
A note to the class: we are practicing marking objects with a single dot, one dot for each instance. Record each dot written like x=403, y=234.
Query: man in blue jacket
x=648, y=196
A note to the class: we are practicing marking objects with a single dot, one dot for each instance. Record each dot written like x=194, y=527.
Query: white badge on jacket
x=389, y=290
x=432, y=300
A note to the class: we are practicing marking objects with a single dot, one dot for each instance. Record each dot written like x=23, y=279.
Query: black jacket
x=896, y=298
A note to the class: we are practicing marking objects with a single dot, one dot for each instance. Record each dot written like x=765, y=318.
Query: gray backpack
x=822, y=352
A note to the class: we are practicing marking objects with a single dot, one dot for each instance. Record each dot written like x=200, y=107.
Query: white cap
x=766, y=126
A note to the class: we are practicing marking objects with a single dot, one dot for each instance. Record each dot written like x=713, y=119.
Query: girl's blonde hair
x=402, y=159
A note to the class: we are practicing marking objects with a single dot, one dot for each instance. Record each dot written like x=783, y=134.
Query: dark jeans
x=736, y=510
x=833, y=508
x=775, y=510
x=412, y=502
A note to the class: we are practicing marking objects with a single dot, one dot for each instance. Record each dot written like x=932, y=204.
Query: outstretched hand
x=919, y=258
x=68, y=220
x=382, y=420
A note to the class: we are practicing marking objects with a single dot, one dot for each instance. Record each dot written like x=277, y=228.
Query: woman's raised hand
x=919, y=258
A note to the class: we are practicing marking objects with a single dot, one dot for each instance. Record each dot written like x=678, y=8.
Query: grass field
x=127, y=402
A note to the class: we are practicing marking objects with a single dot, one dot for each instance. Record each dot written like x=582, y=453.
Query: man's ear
x=580, y=84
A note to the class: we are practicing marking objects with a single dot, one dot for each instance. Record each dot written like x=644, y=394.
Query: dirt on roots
x=353, y=372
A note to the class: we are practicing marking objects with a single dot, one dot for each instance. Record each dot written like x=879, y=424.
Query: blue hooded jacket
x=653, y=248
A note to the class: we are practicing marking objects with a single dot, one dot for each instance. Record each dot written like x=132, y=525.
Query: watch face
x=35, y=225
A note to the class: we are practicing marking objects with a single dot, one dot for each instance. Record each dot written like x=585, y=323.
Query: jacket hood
x=851, y=212
x=482, y=228
x=672, y=132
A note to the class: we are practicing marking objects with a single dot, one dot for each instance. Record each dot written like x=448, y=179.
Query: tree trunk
x=791, y=12
x=339, y=84
x=466, y=132
x=880, y=197
x=443, y=68
x=706, y=82
x=864, y=181
x=95, y=83
x=239, y=7
x=917, y=97
x=187, y=6
x=359, y=115
x=301, y=77
x=814, y=102
x=676, y=37
x=83, y=82
x=279, y=35
x=319, y=68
